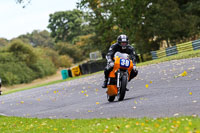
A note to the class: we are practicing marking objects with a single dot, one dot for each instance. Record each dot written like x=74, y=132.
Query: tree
x=71, y=50
x=23, y=52
x=148, y=22
x=65, y=25
x=38, y=38
x=3, y=42
x=23, y=2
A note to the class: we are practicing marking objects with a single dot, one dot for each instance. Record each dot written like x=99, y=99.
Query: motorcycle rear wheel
x=122, y=90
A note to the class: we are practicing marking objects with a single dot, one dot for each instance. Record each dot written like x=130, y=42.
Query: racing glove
x=110, y=62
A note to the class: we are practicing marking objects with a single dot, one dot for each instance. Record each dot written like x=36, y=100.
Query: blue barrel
x=64, y=74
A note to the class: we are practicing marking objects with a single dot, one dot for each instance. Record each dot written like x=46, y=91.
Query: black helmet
x=123, y=40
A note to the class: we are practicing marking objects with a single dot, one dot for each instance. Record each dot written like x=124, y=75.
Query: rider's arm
x=111, y=53
x=133, y=54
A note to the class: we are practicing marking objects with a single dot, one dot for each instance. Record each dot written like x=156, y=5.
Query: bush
x=24, y=52
x=16, y=73
x=65, y=61
x=20, y=63
x=43, y=67
x=71, y=50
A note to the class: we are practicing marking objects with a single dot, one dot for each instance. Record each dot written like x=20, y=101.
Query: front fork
x=118, y=79
x=119, y=75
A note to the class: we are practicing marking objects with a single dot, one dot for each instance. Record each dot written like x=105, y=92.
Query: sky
x=15, y=20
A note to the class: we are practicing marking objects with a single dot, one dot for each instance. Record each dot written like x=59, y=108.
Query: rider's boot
x=105, y=83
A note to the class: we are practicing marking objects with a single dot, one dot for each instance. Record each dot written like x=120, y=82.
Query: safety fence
x=85, y=68
x=179, y=48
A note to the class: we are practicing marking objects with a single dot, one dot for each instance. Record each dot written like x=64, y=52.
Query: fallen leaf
x=127, y=126
x=184, y=74
x=147, y=86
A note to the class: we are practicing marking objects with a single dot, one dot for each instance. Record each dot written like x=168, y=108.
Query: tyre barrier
x=85, y=68
x=179, y=48
x=93, y=66
x=76, y=71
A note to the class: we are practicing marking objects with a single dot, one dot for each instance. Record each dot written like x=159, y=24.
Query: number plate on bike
x=124, y=63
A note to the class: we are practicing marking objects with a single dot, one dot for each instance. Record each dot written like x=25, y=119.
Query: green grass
x=113, y=125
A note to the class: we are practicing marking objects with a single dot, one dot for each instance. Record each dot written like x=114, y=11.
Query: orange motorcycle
x=119, y=76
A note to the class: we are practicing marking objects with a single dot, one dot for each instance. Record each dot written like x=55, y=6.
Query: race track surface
x=157, y=91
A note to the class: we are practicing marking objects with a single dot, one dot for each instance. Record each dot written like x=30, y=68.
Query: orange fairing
x=117, y=66
x=112, y=90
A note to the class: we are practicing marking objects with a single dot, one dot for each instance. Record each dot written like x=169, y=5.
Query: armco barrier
x=179, y=48
x=154, y=55
x=75, y=71
x=161, y=53
x=171, y=51
x=184, y=47
x=196, y=44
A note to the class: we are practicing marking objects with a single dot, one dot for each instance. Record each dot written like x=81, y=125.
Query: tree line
x=95, y=25
x=147, y=22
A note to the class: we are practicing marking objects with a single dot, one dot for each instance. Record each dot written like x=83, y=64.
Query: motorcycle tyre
x=110, y=98
x=122, y=90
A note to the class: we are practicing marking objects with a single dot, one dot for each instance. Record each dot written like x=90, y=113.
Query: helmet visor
x=123, y=44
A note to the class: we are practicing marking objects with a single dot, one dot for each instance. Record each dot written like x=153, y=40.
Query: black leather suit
x=117, y=48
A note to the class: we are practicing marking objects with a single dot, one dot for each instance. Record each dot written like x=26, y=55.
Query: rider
x=122, y=46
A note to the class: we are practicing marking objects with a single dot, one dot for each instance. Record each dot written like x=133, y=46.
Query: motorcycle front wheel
x=122, y=90
x=110, y=98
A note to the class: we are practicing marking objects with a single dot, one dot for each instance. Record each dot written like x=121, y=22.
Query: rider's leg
x=133, y=74
x=106, y=73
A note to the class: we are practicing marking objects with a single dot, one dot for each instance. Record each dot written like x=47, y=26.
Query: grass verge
x=113, y=125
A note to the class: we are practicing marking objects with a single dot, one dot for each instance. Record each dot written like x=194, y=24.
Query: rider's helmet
x=123, y=41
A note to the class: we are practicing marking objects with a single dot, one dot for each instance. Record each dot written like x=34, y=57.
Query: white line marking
x=3, y=114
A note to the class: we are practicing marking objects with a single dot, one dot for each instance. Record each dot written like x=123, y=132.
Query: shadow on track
x=126, y=99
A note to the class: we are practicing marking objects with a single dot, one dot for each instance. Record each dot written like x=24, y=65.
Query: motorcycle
x=119, y=76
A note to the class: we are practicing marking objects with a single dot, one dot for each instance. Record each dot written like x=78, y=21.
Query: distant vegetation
x=95, y=26
x=40, y=53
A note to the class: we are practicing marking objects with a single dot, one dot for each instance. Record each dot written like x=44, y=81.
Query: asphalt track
x=157, y=91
